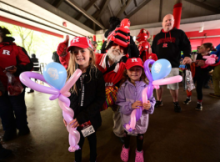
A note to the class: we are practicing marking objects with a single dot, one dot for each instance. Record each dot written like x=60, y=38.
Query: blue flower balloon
x=55, y=74
x=160, y=69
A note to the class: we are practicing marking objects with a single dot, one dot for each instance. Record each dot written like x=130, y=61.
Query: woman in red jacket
x=12, y=108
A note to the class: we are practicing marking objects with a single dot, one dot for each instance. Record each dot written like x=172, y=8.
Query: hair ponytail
x=210, y=46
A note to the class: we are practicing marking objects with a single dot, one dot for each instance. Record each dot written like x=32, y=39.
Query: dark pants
x=199, y=85
x=92, y=144
x=13, y=112
x=140, y=139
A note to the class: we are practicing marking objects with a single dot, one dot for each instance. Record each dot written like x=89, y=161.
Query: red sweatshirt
x=11, y=54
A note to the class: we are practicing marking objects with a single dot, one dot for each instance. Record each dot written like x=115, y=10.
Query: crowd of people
x=113, y=79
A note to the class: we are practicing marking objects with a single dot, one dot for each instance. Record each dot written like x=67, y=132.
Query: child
x=87, y=95
x=129, y=98
x=200, y=74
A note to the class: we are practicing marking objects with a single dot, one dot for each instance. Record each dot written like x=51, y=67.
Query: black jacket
x=201, y=72
x=35, y=62
x=86, y=108
x=2, y=88
x=55, y=57
x=169, y=46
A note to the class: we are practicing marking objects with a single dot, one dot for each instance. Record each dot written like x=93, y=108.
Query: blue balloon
x=55, y=74
x=160, y=69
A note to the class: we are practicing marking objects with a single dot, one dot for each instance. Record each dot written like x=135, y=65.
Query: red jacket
x=111, y=78
x=11, y=54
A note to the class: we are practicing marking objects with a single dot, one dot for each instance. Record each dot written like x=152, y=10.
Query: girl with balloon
x=201, y=72
x=128, y=98
x=87, y=95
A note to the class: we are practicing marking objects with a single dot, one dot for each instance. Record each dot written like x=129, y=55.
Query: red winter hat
x=81, y=42
x=131, y=62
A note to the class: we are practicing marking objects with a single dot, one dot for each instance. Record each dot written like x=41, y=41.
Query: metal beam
x=135, y=3
x=61, y=14
x=103, y=8
x=110, y=10
x=138, y=8
x=91, y=3
x=57, y=3
x=160, y=10
x=124, y=8
x=80, y=9
x=203, y=5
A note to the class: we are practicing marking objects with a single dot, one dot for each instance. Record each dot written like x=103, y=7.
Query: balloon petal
x=55, y=74
x=25, y=78
x=160, y=69
x=72, y=80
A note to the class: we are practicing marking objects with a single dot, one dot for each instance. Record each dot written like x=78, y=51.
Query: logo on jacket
x=158, y=67
x=53, y=73
x=6, y=52
x=166, y=40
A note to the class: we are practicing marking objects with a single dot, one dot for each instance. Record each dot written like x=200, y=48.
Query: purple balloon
x=25, y=79
x=147, y=63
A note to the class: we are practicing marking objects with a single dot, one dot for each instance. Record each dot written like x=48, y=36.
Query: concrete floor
x=190, y=136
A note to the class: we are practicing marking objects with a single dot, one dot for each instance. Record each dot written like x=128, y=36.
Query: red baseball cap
x=81, y=42
x=131, y=62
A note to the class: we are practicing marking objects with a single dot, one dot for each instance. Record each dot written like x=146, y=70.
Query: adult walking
x=168, y=44
x=12, y=108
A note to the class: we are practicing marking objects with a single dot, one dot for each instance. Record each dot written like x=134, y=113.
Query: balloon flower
x=210, y=60
x=160, y=69
x=55, y=76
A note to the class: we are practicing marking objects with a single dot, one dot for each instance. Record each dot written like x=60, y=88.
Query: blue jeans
x=13, y=112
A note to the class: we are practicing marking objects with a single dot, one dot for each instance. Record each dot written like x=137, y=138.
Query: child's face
x=135, y=73
x=82, y=56
x=203, y=50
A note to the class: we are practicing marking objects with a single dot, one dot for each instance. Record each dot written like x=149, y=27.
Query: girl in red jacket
x=87, y=95
x=12, y=108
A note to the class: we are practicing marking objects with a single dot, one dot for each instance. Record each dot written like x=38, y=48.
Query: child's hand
x=65, y=123
x=147, y=106
x=136, y=105
x=12, y=70
x=74, y=123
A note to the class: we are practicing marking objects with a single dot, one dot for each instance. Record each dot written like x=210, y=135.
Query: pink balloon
x=133, y=119
x=133, y=114
x=144, y=95
x=169, y=80
x=210, y=59
x=72, y=80
x=73, y=141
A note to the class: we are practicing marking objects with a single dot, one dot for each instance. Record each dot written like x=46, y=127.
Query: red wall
x=199, y=41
